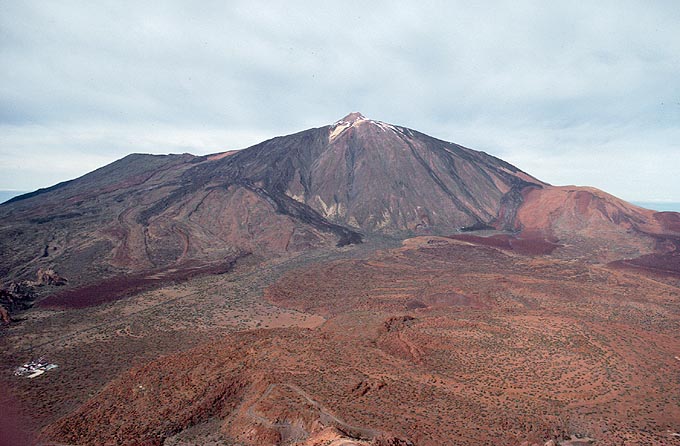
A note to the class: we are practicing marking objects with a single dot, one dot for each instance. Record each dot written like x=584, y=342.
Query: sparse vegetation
x=539, y=349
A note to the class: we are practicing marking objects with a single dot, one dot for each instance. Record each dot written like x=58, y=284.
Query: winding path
x=326, y=417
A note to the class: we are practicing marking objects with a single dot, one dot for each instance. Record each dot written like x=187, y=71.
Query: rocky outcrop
x=49, y=277
x=397, y=323
x=4, y=315
x=16, y=296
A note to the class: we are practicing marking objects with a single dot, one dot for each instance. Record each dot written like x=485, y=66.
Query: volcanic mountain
x=335, y=184
x=359, y=283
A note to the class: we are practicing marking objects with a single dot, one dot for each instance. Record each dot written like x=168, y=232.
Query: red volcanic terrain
x=355, y=284
x=437, y=342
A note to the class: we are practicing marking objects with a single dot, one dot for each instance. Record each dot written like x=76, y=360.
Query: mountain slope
x=374, y=176
x=331, y=185
x=320, y=186
x=595, y=225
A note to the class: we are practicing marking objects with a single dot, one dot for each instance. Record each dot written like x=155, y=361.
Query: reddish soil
x=664, y=263
x=463, y=340
x=526, y=244
x=115, y=288
x=499, y=349
x=669, y=220
x=591, y=224
x=13, y=424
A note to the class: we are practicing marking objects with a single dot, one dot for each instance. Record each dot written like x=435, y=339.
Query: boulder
x=49, y=277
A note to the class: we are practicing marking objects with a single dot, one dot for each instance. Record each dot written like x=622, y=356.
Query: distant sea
x=7, y=194
x=658, y=206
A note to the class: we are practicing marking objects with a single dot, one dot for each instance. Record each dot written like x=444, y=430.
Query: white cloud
x=551, y=86
x=34, y=156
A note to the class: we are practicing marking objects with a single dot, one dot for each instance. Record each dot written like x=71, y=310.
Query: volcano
x=336, y=184
x=359, y=283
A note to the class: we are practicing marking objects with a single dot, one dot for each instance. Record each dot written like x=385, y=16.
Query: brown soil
x=109, y=290
x=669, y=220
x=525, y=245
x=664, y=263
x=501, y=349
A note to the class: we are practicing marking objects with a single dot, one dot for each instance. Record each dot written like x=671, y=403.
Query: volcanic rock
x=49, y=277
x=4, y=315
x=336, y=184
x=16, y=297
x=497, y=268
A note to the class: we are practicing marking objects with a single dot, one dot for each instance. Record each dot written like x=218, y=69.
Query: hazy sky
x=585, y=94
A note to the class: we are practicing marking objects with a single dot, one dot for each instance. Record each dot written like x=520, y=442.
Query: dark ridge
x=42, y=220
x=161, y=205
x=300, y=211
x=450, y=164
x=463, y=152
x=131, y=164
x=37, y=192
x=444, y=151
x=199, y=159
x=479, y=226
x=510, y=204
x=459, y=204
x=261, y=161
x=119, y=287
x=474, y=156
x=350, y=158
x=284, y=156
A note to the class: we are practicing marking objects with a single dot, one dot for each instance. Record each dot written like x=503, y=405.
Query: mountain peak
x=354, y=116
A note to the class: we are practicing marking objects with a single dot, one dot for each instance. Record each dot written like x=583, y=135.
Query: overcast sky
x=574, y=94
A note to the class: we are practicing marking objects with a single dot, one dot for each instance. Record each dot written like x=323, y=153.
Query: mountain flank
x=336, y=185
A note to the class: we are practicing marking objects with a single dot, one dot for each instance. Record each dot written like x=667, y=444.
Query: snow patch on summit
x=338, y=129
x=353, y=119
x=384, y=126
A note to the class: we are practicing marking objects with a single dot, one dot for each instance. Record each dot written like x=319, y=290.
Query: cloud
x=629, y=161
x=53, y=154
x=572, y=85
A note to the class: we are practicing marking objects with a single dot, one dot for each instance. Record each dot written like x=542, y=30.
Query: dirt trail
x=122, y=254
x=185, y=242
x=326, y=417
x=415, y=352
